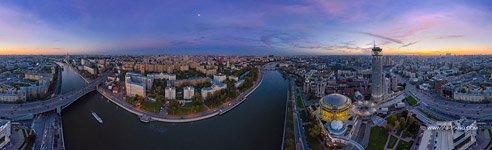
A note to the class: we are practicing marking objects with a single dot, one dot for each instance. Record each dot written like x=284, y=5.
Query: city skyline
x=287, y=102
x=245, y=28
x=238, y=74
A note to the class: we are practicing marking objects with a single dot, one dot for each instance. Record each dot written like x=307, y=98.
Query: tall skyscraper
x=377, y=74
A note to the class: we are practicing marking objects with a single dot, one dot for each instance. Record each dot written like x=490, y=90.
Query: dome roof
x=335, y=102
x=336, y=125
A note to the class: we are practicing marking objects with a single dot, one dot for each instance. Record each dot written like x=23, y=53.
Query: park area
x=411, y=101
x=400, y=132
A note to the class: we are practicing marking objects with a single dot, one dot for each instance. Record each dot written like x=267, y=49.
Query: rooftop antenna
x=374, y=43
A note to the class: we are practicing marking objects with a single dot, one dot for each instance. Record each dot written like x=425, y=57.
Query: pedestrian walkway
x=398, y=139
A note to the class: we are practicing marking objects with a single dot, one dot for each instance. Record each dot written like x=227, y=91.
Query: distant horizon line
x=243, y=54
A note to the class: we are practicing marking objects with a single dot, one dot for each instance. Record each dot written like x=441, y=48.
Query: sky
x=229, y=27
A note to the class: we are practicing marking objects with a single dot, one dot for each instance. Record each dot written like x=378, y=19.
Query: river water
x=255, y=124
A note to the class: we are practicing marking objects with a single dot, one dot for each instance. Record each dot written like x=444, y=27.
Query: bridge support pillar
x=58, y=110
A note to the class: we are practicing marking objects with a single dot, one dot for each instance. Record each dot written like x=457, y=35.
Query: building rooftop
x=335, y=102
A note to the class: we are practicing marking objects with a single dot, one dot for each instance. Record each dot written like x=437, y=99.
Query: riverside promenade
x=146, y=116
x=242, y=97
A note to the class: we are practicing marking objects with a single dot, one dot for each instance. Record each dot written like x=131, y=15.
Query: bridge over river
x=13, y=110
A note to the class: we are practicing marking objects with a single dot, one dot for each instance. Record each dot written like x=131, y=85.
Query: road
x=299, y=134
x=49, y=125
x=43, y=127
x=447, y=109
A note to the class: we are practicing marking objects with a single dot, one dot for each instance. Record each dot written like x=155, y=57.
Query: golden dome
x=335, y=102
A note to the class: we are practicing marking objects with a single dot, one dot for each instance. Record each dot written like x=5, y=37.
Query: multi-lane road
x=300, y=137
x=447, y=109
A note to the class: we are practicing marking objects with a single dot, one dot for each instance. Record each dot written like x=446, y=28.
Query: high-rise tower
x=377, y=74
x=67, y=58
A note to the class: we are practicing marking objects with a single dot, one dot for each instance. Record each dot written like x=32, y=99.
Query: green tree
x=173, y=107
x=315, y=131
x=389, y=126
x=414, y=125
x=402, y=124
x=404, y=113
x=397, y=125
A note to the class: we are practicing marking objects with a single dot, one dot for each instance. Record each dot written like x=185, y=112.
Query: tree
x=404, y=114
x=462, y=90
x=414, y=125
x=197, y=101
x=173, y=107
x=392, y=119
x=402, y=124
x=315, y=131
x=389, y=126
x=397, y=126
x=131, y=100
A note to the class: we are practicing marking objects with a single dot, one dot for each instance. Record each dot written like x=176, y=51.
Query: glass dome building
x=335, y=107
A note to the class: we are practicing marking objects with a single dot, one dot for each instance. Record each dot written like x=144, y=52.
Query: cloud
x=450, y=36
x=382, y=37
x=343, y=11
x=282, y=39
x=310, y=24
x=305, y=42
x=403, y=44
x=409, y=44
x=417, y=22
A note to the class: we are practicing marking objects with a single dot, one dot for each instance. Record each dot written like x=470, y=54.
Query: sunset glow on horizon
x=318, y=27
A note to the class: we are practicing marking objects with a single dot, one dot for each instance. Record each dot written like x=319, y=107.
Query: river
x=255, y=124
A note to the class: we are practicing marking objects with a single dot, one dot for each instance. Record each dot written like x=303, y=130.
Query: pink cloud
x=415, y=23
x=343, y=10
x=23, y=30
x=425, y=22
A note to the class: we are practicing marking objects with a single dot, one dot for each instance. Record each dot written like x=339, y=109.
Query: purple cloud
x=450, y=36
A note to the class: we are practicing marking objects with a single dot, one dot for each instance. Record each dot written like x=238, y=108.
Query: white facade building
x=469, y=97
x=5, y=132
x=170, y=93
x=91, y=70
x=458, y=135
x=166, y=76
x=135, y=88
x=188, y=92
x=136, y=84
x=216, y=86
x=19, y=97
x=220, y=77
x=235, y=78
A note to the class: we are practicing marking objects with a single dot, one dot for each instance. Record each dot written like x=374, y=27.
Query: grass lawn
x=300, y=104
x=188, y=108
x=378, y=138
x=411, y=101
x=303, y=115
x=429, y=115
x=392, y=142
x=152, y=106
x=408, y=134
x=402, y=145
